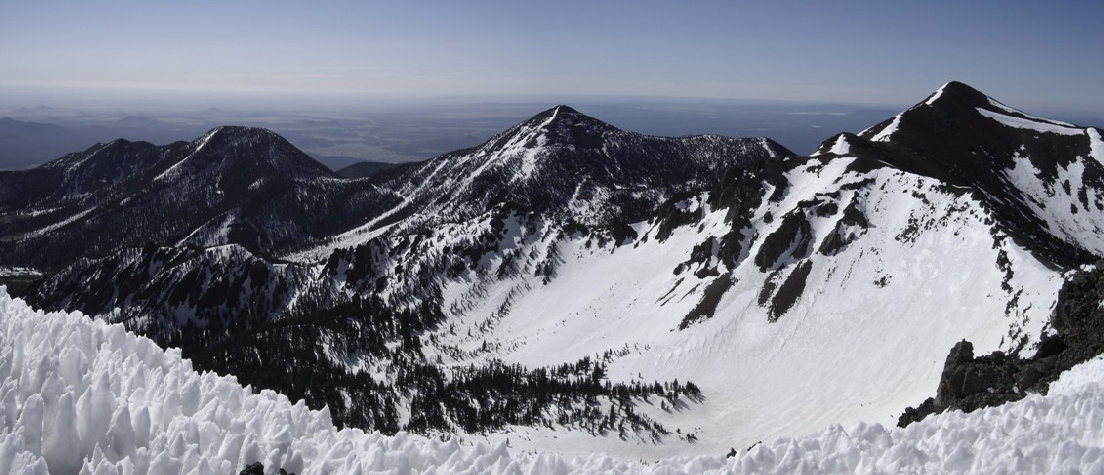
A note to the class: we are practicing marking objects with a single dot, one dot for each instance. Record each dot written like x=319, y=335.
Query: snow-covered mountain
x=563, y=163
x=573, y=286
x=1041, y=177
x=235, y=185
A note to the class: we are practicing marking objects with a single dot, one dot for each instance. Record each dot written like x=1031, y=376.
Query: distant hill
x=364, y=169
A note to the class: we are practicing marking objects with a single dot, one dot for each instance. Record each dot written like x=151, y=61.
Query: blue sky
x=1041, y=55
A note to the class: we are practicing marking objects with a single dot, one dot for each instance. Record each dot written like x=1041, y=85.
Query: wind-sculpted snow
x=79, y=395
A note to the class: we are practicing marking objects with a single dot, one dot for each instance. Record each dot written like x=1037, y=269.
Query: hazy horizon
x=340, y=131
x=406, y=81
x=1037, y=56
x=398, y=131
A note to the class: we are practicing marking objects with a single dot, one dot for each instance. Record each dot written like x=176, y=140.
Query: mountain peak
x=953, y=99
x=561, y=108
x=955, y=93
x=560, y=115
x=243, y=139
x=558, y=126
x=239, y=132
x=243, y=152
x=958, y=88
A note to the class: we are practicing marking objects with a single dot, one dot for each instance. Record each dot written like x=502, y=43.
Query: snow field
x=867, y=337
x=1096, y=145
x=82, y=396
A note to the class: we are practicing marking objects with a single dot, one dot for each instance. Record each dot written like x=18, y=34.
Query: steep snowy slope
x=1042, y=177
x=79, y=395
x=841, y=308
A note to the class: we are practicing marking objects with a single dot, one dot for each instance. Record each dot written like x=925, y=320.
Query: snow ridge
x=1010, y=110
x=887, y=132
x=1038, y=125
x=935, y=95
x=1096, y=145
x=140, y=409
x=174, y=169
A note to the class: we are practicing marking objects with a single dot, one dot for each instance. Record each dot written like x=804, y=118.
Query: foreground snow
x=80, y=395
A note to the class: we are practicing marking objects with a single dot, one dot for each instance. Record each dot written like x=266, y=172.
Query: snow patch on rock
x=1058, y=205
x=887, y=132
x=1038, y=125
x=841, y=146
x=1096, y=145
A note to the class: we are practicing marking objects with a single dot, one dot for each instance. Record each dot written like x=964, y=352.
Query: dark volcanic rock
x=791, y=288
x=791, y=240
x=710, y=298
x=255, y=468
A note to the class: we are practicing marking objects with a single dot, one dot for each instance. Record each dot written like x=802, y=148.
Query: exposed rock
x=791, y=239
x=710, y=298
x=791, y=288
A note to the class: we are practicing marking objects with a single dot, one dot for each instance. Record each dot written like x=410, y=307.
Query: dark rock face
x=743, y=190
x=257, y=468
x=969, y=383
x=792, y=240
x=791, y=288
x=709, y=301
x=839, y=238
x=973, y=381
